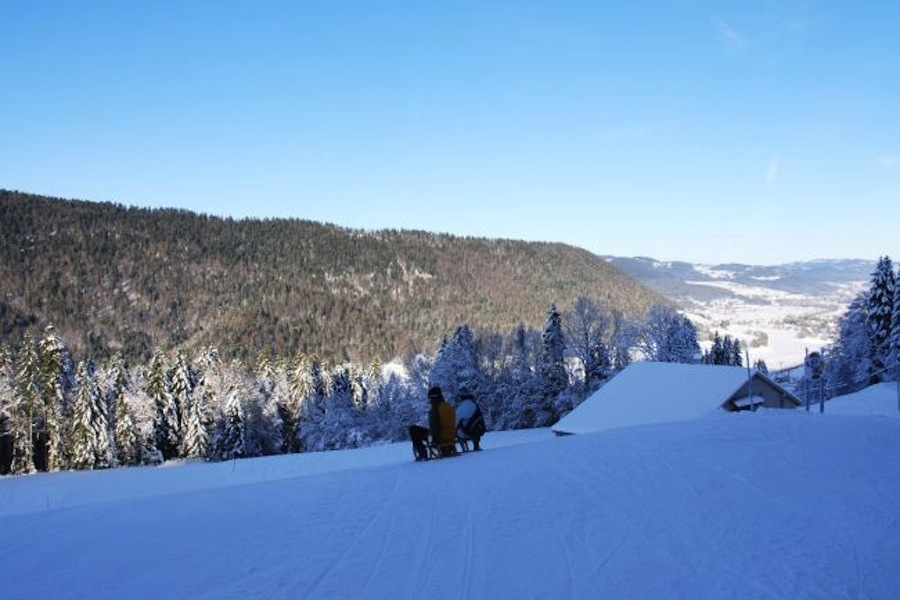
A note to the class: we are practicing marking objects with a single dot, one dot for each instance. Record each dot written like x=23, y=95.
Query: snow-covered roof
x=654, y=392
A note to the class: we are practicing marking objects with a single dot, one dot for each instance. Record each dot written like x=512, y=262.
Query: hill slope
x=110, y=277
x=773, y=504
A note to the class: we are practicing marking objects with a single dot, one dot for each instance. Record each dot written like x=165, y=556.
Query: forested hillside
x=114, y=278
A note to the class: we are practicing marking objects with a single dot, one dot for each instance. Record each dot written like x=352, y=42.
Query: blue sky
x=758, y=131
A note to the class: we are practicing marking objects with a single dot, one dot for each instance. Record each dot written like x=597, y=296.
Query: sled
x=435, y=451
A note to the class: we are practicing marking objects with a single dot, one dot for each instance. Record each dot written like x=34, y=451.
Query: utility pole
x=749, y=382
x=806, y=379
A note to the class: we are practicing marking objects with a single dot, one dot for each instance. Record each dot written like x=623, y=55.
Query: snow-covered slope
x=774, y=504
x=880, y=399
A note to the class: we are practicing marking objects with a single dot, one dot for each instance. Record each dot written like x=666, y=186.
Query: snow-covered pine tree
x=894, y=355
x=727, y=351
x=125, y=437
x=196, y=437
x=230, y=443
x=7, y=409
x=340, y=427
x=519, y=389
x=724, y=351
x=879, y=313
x=849, y=363
x=399, y=405
x=669, y=337
x=551, y=369
x=456, y=365
x=27, y=399
x=82, y=438
x=274, y=397
x=301, y=387
x=313, y=409
x=56, y=381
x=166, y=421
x=184, y=381
x=103, y=441
x=737, y=359
x=364, y=385
x=124, y=440
x=716, y=353
x=683, y=346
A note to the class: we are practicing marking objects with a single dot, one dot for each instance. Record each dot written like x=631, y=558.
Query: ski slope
x=775, y=504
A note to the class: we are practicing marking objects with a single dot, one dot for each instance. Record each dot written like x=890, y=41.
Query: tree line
x=57, y=412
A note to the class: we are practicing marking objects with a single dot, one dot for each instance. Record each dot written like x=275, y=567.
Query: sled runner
x=434, y=451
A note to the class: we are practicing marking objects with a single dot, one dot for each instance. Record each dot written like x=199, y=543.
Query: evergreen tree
x=274, y=391
x=724, y=351
x=184, y=381
x=399, y=405
x=456, y=365
x=879, y=313
x=850, y=359
x=716, y=353
x=894, y=355
x=196, y=439
x=90, y=443
x=103, y=442
x=669, y=337
x=166, y=420
x=340, y=427
x=313, y=412
x=7, y=409
x=55, y=384
x=81, y=436
x=231, y=440
x=552, y=374
x=127, y=443
x=518, y=392
x=301, y=388
x=27, y=398
x=727, y=351
x=737, y=359
x=682, y=342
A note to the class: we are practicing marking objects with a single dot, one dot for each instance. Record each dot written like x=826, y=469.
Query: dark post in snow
x=806, y=379
x=749, y=382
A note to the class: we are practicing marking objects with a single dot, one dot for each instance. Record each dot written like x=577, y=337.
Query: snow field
x=775, y=504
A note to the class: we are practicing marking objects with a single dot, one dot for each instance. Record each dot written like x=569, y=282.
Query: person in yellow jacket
x=441, y=427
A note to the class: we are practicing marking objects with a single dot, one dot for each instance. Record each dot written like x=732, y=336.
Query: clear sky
x=708, y=131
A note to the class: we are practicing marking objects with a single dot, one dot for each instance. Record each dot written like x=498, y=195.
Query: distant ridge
x=112, y=278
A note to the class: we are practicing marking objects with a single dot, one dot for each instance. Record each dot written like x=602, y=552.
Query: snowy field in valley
x=779, y=311
x=774, y=504
x=770, y=320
